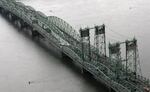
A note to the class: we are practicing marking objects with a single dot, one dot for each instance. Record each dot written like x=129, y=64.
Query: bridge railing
x=26, y=13
x=57, y=28
x=108, y=72
x=96, y=71
x=65, y=26
x=21, y=11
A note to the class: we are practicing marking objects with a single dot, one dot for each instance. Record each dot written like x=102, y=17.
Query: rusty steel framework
x=100, y=40
x=85, y=38
x=115, y=53
x=132, y=59
x=109, y=70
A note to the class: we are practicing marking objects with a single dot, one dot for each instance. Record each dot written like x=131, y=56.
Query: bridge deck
x=64, y=38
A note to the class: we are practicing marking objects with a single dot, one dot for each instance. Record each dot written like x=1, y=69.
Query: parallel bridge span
x=59, y=33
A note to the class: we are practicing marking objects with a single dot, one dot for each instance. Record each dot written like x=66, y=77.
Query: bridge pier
x=2, y=11
x=65, y=57
x=81, y=69
x=25, y=26
x=11, y=17
x=17, y=23
x=35, y=34
x=87, y=73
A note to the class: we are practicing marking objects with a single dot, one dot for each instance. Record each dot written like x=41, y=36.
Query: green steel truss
x=66, y=39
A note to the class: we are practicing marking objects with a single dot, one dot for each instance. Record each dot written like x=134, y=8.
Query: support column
x=86, y=49
x=35, y=34
x=100, y=40
x=0, y=9
x=131, y=58
x=115, y=54
x=18, y=23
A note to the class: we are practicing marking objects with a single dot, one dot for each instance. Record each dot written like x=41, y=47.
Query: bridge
x=118, y=74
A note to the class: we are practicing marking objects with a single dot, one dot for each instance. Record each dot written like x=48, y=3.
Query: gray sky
x=129, y=18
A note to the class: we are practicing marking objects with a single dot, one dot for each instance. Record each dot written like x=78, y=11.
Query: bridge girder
x=60, y=32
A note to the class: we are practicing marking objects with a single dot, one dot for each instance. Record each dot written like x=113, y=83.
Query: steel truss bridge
x=108, y=70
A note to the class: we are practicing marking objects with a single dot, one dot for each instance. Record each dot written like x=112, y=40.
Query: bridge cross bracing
x=59, y=33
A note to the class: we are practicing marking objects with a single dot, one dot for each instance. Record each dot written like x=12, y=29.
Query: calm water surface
x=124, y=19
x=23, y=60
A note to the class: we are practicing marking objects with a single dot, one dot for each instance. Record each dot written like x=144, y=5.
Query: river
x=23, y=59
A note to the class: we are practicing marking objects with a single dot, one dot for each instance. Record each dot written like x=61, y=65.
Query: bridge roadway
x=60, y=34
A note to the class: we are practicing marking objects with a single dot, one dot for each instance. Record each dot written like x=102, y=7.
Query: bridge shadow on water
x=66, y=61
x=87, y=76
x=90, y=80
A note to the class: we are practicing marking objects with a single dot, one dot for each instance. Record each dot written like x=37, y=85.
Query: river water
x=124, y=19
x=23, y=59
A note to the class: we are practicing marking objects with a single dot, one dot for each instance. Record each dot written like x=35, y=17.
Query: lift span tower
x=119, y=75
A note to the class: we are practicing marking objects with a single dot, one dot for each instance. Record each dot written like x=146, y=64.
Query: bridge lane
x=21, y=62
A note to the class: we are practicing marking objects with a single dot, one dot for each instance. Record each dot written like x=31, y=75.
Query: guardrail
x=51, y=28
